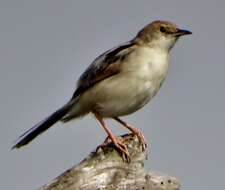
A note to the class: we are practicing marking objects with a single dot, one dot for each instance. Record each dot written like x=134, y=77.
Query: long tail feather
x=42, y=126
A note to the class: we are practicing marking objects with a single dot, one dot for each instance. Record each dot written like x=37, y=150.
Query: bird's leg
x=135, y=131
x=121, y=147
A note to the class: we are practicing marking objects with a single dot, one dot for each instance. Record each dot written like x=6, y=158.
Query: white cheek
x=166, y=43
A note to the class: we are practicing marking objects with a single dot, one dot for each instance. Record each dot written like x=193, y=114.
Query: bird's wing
x=104, y=66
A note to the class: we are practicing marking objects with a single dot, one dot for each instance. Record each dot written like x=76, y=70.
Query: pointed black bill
x=181, y=32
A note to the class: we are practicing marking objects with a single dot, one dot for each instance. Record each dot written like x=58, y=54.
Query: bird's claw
x=105, y=144
x=141, y=139
x=119, y=146
x=122, y=149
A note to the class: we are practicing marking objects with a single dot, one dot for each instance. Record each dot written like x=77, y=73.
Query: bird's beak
x=181, y=32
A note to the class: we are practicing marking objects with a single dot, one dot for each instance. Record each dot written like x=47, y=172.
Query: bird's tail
x=42, y=126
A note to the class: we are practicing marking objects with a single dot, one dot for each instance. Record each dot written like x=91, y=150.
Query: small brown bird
x=119, y=82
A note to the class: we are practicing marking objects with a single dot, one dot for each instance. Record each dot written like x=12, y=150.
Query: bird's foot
x=118, y=145
x=105, y=144
x=134, y=131
x=122, y=149
x=140, y=137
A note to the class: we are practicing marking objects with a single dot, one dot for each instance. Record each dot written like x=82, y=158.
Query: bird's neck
x=154, y=62
x=147, y=62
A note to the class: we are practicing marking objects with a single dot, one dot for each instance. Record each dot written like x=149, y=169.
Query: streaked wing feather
x=102, y=67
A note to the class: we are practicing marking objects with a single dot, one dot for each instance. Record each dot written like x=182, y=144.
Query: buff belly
x=121, y=95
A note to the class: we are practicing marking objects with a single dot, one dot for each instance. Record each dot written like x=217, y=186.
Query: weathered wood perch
x=106, y=170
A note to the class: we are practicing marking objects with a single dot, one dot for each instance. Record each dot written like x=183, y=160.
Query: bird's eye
x=162, y=29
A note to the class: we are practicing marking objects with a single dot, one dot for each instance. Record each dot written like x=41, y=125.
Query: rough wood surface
x=106, y=170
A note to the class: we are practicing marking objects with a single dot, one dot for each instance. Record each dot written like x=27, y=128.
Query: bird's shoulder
x=104, y=66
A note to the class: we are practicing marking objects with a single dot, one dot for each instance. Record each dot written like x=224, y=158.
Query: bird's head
x=161, y=34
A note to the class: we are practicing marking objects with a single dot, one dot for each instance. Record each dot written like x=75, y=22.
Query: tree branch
x=106, y=170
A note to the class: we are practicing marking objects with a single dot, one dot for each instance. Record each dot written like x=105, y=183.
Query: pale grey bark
x=106, y=170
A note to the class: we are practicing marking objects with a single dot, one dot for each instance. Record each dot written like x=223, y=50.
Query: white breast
x=149, y=63
x=146, y=70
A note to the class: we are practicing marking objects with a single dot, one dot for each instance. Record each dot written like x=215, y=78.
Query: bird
x=118, y=83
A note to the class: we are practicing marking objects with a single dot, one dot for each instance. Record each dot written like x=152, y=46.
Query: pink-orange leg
x=135, y=131
x=121, y=147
